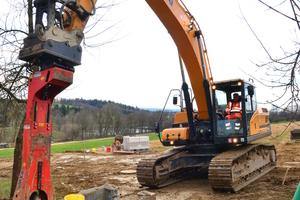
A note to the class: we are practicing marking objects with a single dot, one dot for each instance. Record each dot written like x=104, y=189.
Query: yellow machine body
x=259, y=121
x=173, y=134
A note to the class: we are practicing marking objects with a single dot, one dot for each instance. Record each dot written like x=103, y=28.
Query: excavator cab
x=242, y=121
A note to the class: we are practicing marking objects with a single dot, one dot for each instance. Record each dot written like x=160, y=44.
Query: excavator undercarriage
x=229, y=169
x=175, y=165
x=240, y=166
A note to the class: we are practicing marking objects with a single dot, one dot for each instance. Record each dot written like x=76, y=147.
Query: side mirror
x=250, y=90
x=174, y=100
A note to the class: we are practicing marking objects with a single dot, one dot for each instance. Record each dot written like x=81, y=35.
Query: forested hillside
x=77, y=119
x=93, y=104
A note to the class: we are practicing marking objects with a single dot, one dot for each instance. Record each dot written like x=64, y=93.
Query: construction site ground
x=75, y=171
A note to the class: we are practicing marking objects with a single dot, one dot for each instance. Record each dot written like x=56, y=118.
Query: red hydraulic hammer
x=35, y=180
x=55, y=48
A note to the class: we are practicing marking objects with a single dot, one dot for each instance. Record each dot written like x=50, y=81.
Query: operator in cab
x=233, y=109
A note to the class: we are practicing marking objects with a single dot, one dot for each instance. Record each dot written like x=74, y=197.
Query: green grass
x=152, y=136
x=5, y=185
x=58, y=148
x=280, y=137
x=281, y=122
x=75, y=146
x=7, y=153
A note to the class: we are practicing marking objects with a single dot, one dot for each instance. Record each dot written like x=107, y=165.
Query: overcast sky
x=142, y=67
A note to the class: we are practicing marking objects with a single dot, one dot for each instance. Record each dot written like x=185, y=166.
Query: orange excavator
x=206, y=139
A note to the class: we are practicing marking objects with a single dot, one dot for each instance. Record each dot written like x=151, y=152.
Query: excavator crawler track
x=235, y=169
x=147, y=170
x=174, y=165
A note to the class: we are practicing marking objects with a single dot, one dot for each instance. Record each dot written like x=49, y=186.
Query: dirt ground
x=75, y=171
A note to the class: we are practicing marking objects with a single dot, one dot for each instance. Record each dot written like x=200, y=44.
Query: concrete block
x=145, y=195
x=135, y=143
x=295, y=134
x=104, y=192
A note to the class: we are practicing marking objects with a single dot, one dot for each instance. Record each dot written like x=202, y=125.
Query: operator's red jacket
x=233, y=106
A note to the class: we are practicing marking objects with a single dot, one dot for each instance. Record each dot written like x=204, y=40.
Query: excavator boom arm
x=183, y=28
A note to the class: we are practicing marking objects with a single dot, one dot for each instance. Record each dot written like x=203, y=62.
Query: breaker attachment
x=35, y=180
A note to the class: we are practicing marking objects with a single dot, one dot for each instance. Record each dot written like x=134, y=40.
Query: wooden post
x=287, y=169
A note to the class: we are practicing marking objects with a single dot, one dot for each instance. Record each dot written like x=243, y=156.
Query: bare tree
x=16, y=114
x=142, y=120
x=73, y=130
x=83, y=121
x=131, y=123
x=118, y=120
x=99, y=118
x=152, y=119
x=15, y=24
x=14, y=74
x=59, y=119
x=282, y=71
x=108, y=112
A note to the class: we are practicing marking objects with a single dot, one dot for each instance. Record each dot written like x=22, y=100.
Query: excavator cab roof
x=233, y=82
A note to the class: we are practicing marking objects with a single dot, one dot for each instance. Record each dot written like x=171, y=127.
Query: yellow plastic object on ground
x=93, y=150
x=74, y=197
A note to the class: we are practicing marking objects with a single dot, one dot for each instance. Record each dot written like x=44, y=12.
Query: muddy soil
x=76, y=171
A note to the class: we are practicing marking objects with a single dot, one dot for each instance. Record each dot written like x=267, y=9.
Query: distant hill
x=95, y=104
x=159, y=109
